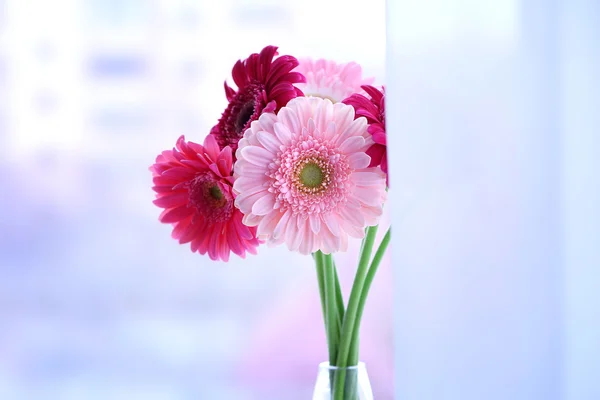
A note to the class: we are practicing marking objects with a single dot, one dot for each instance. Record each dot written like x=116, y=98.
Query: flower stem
x=353, y=357
x=350, y=317
x=321, y=279
x=339, y=299
x=331, y=308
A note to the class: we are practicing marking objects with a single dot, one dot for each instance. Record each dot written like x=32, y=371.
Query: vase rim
x=325, y=365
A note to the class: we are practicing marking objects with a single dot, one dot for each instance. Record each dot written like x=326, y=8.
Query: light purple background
x=496, y=143
x=96, y=300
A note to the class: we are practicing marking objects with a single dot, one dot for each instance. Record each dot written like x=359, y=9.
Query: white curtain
x=493, y=112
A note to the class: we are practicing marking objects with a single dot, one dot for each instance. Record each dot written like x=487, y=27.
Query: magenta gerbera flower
x=193, y=183
x=373, y=110
x=264, y=85
x=303, y=177
x=330, y=80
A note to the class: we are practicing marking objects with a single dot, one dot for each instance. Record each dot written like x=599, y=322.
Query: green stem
x=350, y=317
x=331, y=308
x=339, y=299
x=354, y=350
x=321, y=279
x=353, y=358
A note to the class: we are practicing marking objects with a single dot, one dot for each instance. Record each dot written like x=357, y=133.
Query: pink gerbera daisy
x=330, y=80
x=373, y=110
x=303, y=178
x=193, y=183
x=264, y=85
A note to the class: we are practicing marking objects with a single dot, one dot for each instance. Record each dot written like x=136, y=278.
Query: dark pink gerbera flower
x=373, y=110
x=193, y=183
x=264, y=85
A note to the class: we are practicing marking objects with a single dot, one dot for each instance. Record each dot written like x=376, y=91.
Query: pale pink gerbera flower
x=330, y=80
x=264, y=85
x=193, y=183
x=373, y=109
x=303, y=176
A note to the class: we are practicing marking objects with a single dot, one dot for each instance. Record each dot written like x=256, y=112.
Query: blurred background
x=496, y=147
x=96, y=300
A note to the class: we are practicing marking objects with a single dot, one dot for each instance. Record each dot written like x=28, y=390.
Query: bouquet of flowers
x=297, y=157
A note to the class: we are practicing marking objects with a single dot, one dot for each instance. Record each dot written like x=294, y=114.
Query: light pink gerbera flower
x=264, y=85
x=303, y=178
x=330, y=80
x=373, y=110
x=193, y=183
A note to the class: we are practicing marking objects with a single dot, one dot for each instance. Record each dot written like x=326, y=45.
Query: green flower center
x=215, y=192
x=311, y=175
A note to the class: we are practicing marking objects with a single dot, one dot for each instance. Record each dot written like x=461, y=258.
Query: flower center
x=244, y=115
x=311, y=175
x=215, y=192
x=209, y=199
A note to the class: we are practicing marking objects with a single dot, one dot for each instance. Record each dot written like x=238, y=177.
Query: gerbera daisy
x=302, y=176
x=330, y=80
x=264, y=85
x=373, y=110
x=193, y=183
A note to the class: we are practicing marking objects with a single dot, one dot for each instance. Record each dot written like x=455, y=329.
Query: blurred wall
x=497, y=155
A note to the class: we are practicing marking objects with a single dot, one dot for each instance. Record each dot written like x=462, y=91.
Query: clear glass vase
x=356, y=384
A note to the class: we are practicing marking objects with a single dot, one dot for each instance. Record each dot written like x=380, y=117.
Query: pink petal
x=211, y=147
x=294, y=232
x=307, y=245
x=332, y=223
x=234, y=240
x=323, y=115
x=354, y=218
x=244, y=168
x=251, y=220
x=242, y=230
x=225, y=161
x=343, y=115
x=315, y=223
x=269, y=141
x=174, y=200
x=247, y=185
x=329, y=242
x=366, y=178
x=257, y=155
x=245, y=201
x=283, y=133
x=268, y=223
x=281, y=227
x=358, y=160
x=266, y=121
x=175, y=214
x=264, y=205
x=192, y=232
x=352, y=230
x=290, y=119
x=352, y=144
x=358, y=127
x=369, y=197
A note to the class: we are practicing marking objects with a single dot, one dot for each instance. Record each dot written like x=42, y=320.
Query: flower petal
x=352, y=144
x=283, y=133
x=257, y=155
x=269, y=141
x=263, y=205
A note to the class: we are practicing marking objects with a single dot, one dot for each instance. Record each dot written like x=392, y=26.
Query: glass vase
x=356, y=383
